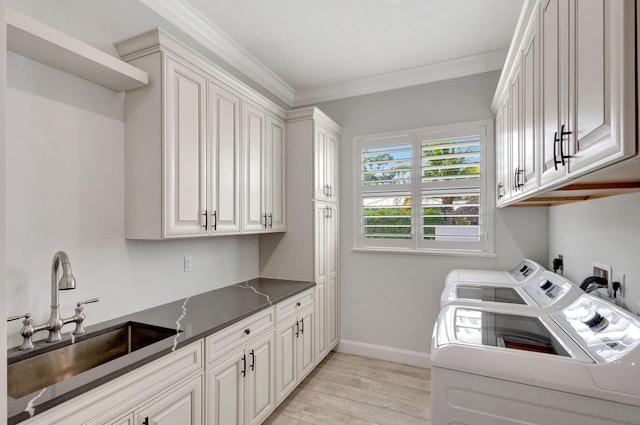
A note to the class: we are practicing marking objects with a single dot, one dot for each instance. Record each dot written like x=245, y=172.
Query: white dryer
x=579, y=365
x=545, y=293
x=527, y=269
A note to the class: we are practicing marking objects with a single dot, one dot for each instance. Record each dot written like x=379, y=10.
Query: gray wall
x=605, y=230
x=390, y=301
x=65, y=191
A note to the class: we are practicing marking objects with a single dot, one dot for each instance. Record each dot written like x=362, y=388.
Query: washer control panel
x=524, y=270
x=548, y=288
x=602, y=329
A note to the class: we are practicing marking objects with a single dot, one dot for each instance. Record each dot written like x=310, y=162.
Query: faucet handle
x=92, y=300
x=79, y=316
x=26, y=332
x=26, y=316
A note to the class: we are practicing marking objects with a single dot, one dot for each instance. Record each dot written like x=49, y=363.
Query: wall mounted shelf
x=35, y=40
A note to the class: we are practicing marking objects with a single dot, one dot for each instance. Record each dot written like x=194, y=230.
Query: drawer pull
x=247, y=331
x=298, y=304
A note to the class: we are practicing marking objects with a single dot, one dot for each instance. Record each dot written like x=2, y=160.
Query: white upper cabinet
x=189, y=133
x=570, y=88
x=554, y=57
x=253, y=139
x=601, y=105
x=503, y=151
x=274, y=175
x=224, y=161
x=325, y=166
x=184, y=151
x=589, y=87
x=263, y=142
x=530, y=109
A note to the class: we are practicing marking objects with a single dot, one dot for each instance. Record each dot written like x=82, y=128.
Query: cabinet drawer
x=238, y=334
x=290, y=307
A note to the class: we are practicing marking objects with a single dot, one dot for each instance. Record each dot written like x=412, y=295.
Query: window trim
x=415, y=245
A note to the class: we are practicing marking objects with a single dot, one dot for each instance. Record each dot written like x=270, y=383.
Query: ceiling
x=307, y=51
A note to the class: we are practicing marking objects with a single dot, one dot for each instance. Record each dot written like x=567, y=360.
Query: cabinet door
x=320, y=276
x=504, y=152
x=515, y=125
x=305, y=360
x=226, y=390
x=260, y=397
x=224, y=161
x=331, y=286
x=127, y=420
x=253, y=137
x=331, y=166
x=555, y=74
x=181, y=405
x=601, y=76
x=274, y=165
x=184, y=159
x=319, y=162
x=530, y=105
x=287, y=336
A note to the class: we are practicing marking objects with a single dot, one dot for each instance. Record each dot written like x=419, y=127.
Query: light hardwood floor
x=354, y=390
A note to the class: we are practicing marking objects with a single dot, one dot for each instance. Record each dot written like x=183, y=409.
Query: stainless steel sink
x=53, y=366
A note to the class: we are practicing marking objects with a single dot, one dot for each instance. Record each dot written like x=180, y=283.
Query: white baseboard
x=381, y=352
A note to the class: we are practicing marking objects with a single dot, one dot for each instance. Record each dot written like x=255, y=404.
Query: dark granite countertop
x=197, y=317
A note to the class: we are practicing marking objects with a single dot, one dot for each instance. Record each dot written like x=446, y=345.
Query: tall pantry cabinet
x=309, y=249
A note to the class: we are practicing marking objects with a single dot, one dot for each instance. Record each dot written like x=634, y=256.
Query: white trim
x=414, y=245
x=182, y=15
x=382, y=352
x=159, y=40
x=304, y=114
x=526, y=15
x=426, y=251
x=470, y=65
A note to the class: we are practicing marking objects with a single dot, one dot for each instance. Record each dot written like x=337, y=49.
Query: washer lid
x=603, y=330
x=489, y=329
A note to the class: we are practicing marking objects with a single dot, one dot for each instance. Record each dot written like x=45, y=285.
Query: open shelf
x=35, y=40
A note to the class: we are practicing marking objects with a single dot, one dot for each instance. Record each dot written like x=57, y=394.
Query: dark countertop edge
x=133, y=361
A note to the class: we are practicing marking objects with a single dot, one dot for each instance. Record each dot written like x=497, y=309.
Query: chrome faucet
x=67, y=281
x=56, y=322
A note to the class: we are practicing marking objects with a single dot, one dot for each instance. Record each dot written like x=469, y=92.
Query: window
x=424, y=190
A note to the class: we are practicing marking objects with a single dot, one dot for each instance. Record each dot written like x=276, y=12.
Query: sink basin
x=41, y=370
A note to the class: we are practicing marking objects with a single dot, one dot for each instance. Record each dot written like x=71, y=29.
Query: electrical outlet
x=188, y=264
x=604, y=271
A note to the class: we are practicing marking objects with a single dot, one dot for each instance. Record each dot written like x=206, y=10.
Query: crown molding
x=205, y=32
x=461, y=67
x=527, y=16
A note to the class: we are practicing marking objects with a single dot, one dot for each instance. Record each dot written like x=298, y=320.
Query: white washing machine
x=527, y=269
x=579, y=365
x=545, y=293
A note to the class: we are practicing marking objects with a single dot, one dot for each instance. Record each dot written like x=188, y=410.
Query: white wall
x=65, y=191
x=605, y=230
x=390, y=301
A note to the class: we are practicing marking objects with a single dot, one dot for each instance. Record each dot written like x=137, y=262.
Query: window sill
x=443, y=252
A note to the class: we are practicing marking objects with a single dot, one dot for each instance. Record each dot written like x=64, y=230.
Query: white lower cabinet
x=240, y=386
x=165, y=392
x=182, y=405
x=294, y=352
